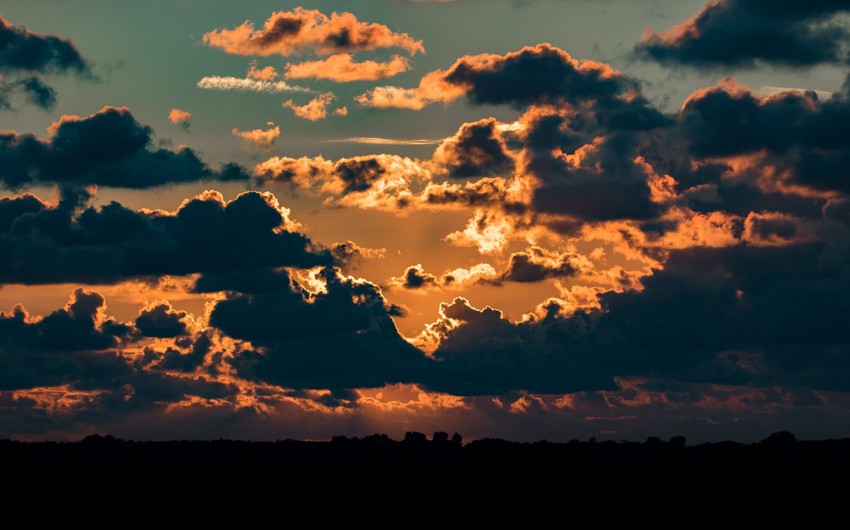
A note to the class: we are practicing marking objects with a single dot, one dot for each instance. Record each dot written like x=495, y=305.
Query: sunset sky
x=524, y=219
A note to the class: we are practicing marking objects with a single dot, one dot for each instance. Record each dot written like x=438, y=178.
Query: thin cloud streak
x=248, y=85
x=369, y=140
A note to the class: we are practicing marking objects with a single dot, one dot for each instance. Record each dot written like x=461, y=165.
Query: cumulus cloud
x=248, y=84
x=72, y=242
x=264, y=139
x=476, y=150
x=108, y=148
x=504, y=79
x=347, y=327
x=309, y=30
x=743, y=33
x=342, y=68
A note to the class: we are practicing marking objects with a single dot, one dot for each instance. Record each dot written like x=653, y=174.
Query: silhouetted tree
x=677, y=442
x=779, y=439
x=440, y=437
x=413, y=437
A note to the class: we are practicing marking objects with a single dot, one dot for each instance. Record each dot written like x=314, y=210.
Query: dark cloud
x=74, y=328
x=248, y=282
x=415, y=277
x=542, y=74
x=109, y=148
x=796, y=133
x=162, y=321
x=341, y=338
x=737, y=316
x=35, y=91
x=537, y=264
x=488, y=354
x=24, y=53
x=69, y=242
x=25, y=50
x=359, y=173
x=583, y=175
x=476, y=150
x=746, y=32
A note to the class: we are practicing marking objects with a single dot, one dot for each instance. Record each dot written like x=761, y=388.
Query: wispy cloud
x=248, y=85
x=386, y=141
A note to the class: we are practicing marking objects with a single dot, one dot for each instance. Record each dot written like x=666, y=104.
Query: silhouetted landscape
x=108, y=460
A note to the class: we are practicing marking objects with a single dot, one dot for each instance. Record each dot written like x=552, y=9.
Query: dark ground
x=379, y=459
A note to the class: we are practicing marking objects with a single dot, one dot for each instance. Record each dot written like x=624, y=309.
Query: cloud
x=506, y=79
x=537, y=264
x=315, y=109
x=160, y=320
x=346, y=326
x=25, y=53
x=267, y=73
x=744, y=33
x=376, y=181
x=476, y=150
x=308, y=30
x=179, y=117
x=35, y=91
x=386, y=141
x=69, y=242
x=415, y=278
x=794, y=136
x=263, y=139
x=248, y=85
x=342, y=68
x=108, y=148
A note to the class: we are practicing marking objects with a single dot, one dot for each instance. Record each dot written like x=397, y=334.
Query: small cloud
x=268, y=73
x=180, y=117
x=263, y=139
x=315, y=109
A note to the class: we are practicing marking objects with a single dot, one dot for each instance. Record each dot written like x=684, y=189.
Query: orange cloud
x=376, y=181
x=342, y=68
x=263, y=139
x=415, y=278
x=179, y=117
x=433, y=88
x=268, y=73
x=315, y=109
x=301, y=30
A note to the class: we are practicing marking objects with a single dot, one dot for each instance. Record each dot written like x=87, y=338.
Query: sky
x=527, y=219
